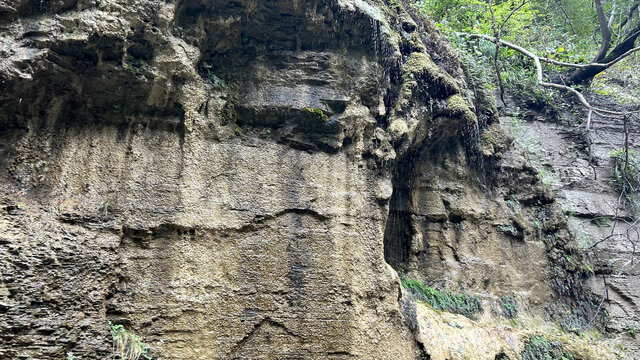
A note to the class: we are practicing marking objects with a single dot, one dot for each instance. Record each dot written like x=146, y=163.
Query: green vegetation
x=509, y=307
x=463, y=304
x=317, y=114
x=540, y=348
x=566, y=35
x=135, y=67
x=127, y=345
x=569, y=31
x=178, y=31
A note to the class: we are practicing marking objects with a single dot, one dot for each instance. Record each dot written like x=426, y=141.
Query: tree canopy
x=571, y=31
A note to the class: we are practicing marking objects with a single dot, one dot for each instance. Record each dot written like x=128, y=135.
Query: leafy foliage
x=564, y=30
x=463, y=304
x=127, y=345
x=509, y=307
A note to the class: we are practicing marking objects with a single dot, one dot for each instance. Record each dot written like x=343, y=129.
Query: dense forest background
x=571, y=31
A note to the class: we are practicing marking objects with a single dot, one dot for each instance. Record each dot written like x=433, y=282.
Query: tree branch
x=629, y=16
x=524, y=2
x=566, y=16
x=590, y=65
x=540, y=79
x=622, y=48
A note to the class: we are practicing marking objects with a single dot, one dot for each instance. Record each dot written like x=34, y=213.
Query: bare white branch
x=540, y=79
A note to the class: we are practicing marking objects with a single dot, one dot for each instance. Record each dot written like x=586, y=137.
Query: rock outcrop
x=232, y=179
x=601, y=219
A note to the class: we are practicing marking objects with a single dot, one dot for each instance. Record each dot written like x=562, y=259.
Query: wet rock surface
x=191, y=171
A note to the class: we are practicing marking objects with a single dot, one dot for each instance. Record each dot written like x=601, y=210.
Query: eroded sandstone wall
x=210, y=174
x=224, y=178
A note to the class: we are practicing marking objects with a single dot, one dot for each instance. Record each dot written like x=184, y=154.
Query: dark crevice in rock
x=143, y=235
x=303, y=211
x=424, y=355
x=397, y=238
x=398, y=230
x=340, y=353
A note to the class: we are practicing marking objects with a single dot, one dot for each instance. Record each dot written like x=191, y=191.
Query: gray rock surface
x=598, y=215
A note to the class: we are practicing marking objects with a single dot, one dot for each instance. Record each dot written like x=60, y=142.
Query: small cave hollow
x=398, y=231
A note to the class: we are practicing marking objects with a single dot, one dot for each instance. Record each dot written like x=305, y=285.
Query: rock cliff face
x=598, y=215
x=233, y=179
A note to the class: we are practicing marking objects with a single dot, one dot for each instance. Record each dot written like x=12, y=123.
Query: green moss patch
x=439, y=83
x=317, y=114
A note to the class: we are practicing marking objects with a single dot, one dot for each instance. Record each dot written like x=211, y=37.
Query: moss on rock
x=495, y=141
x=540, y=348
x=463, y=304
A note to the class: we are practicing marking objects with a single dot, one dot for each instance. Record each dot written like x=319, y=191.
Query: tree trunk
x=586, y=74
x=604, y=30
